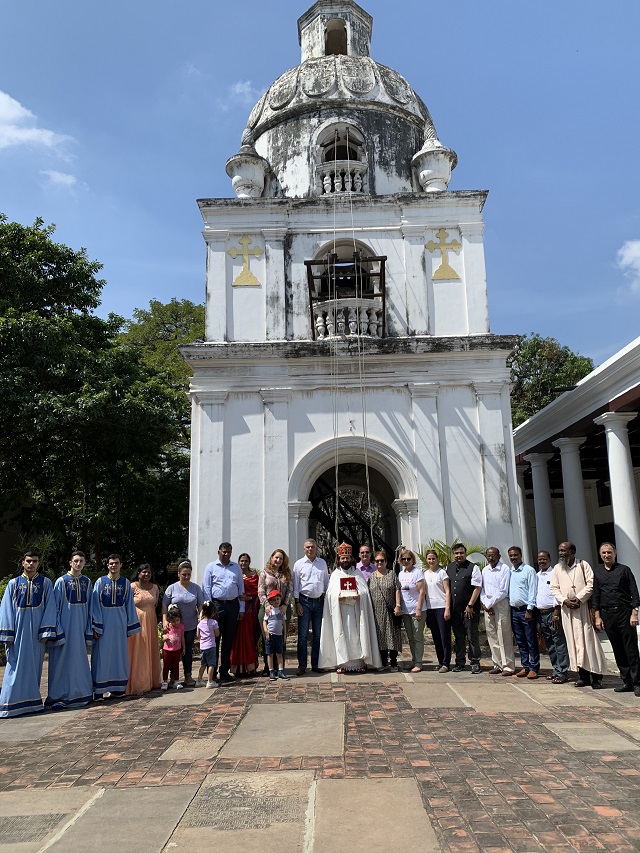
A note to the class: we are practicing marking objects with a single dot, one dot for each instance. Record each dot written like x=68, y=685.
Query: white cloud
x=241, y=94
x=628, y=260
x=18, y=127
x=62, y=179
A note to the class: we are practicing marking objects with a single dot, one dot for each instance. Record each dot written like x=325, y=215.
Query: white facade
x=296, y=374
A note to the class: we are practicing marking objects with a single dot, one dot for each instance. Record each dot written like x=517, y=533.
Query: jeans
x=526, y=636
x=228, y=623
x=556, y=643
x=311, y=615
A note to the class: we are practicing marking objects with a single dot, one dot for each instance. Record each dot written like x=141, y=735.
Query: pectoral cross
x=444, y=271
x=245, y=277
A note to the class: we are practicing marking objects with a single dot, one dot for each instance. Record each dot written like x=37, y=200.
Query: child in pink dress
x=172, y=649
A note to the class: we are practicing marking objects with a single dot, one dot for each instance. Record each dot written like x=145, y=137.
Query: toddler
x=273, y=632
x=172, y=649
x=207, y=632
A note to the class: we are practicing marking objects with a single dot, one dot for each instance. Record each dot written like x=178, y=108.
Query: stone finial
x=433, y=165
x=248, y=171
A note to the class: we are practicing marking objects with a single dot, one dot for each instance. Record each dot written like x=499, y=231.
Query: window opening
x=335, y=38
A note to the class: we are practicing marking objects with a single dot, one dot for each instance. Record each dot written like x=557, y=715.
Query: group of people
x=355, y=615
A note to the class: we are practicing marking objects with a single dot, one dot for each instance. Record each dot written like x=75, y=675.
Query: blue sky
x=115, y=117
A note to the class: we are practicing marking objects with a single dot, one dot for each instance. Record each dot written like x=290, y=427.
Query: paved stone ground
x=488, y=780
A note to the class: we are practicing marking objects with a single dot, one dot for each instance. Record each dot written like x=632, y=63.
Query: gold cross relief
x=245, y=277
x=444, y=271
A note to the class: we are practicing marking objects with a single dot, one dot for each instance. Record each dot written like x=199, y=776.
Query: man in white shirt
x=548, y=611
x=494, y=599
x=310, y=582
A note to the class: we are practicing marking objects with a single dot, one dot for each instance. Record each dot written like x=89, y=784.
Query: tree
x=83, y=416
x=538, y=366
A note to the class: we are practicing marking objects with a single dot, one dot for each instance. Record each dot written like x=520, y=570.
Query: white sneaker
x=179, y=685
x=164, y=685
x=200, y=683
x=211, y=685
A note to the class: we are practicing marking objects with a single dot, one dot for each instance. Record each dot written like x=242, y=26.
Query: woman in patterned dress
x=384, y=590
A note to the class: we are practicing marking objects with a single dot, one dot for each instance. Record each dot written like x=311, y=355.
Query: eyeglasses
x=406, y=559
x=379, y=561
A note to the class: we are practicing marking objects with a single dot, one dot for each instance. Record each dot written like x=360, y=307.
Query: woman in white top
x=414, y=605
x=439, y=609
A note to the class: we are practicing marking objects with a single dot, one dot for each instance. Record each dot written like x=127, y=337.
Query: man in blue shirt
x=523, y=586
x=223, y=584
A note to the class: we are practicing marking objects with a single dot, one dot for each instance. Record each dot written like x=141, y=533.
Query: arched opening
x=357, y=510
x=335, y=38
x=341, y=160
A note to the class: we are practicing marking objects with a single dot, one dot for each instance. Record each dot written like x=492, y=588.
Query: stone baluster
x=320, y=325
x=331, y=322
x=353, y=322
x=326, y=183
x=341, y=321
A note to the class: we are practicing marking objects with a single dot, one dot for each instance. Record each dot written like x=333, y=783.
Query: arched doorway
x=357, y=510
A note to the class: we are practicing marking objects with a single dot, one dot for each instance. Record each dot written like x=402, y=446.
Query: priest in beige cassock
x=572, y=587
x=348, y=639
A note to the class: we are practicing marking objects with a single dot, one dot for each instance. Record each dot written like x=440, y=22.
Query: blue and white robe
x=114, y=618
x=70, y=682
x=27, y=616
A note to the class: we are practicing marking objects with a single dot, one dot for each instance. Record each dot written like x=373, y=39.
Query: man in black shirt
x=616, y=601
x=466, y=581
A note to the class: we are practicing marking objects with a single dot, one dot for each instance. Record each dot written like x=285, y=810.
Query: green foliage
x=445, y=551
x=93, y=430
x=537, y=365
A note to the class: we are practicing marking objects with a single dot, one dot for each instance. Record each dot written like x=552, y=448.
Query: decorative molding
x=275, y=395
x=422, y=390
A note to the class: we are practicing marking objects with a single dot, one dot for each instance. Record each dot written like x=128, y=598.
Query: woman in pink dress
x=144, y=654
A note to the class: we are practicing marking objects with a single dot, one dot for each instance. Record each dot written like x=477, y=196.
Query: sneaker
x=443, y=668
x=273, y=676
x=211, y=685
x=282, y=674
x=200, y=683
x=178, y=686
x=476, y=669
x=164, y=685
x=636, y=690
x=394, y=669
x=458, y=668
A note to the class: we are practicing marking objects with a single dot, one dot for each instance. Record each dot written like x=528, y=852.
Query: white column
x=206, y=513
x=275, y=524
x=276, y=321
x=216, y=298
x=417, y=316
x=527, y=556
x=475, y=277
x=575, y=504
x=624, y=496
x=495, y=484
x=299, y=512
x=405, y=532
x=545, y=528
x=424, y=400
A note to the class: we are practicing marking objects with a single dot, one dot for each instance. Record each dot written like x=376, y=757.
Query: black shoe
x=458, y=668
x=225, y=677
x=597, y=684
x=301, y=670
x=475, y=669
x=316, y=669
x=581, y=683
x=624, y=688
x=636, y=690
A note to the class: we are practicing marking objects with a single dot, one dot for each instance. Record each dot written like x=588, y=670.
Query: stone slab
x=180, y=698
x=432, y=696
x=315, y=728
x=28, y=823
x=141, y=820
x=393, y=818
x=627, y=700
x=504, y=698
x=587, y=737
x=631, y=727
x=192, y=749
x=239, y=812
x=371, y=677
x=553, y=696
x=33, y=727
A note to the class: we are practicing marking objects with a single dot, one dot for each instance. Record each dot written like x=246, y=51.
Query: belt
x=546, y=609
x=620, y=608
x=310, y=598
x=520, y=608
x=224, y=600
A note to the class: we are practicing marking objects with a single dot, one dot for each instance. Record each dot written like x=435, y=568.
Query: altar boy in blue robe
x=114, y=619
x=27, y=621
x=70, y=682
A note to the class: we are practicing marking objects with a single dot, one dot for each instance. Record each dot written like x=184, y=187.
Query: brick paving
x=489, y=781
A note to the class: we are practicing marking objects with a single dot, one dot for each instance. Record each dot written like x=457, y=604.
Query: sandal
x=416, y=669
x=340, y=671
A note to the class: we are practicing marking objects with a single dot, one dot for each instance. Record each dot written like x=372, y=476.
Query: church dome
x=339, y=123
